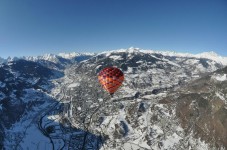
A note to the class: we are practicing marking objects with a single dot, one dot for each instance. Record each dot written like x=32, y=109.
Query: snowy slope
x=24, y=87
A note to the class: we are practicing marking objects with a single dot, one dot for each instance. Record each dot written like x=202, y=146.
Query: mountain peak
x=208, y=54
x=133, y=49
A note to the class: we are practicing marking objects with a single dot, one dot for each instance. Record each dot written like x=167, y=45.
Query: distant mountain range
x=168, y=101
x=73, y=55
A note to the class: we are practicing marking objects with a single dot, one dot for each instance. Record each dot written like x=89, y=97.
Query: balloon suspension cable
x=111, y=95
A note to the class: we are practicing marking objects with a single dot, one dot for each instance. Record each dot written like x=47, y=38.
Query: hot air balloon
x=111, y=79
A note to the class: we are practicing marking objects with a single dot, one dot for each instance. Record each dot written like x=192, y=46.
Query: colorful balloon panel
x=111, y=79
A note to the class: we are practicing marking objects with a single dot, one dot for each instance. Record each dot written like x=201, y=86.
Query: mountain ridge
x=51, y=57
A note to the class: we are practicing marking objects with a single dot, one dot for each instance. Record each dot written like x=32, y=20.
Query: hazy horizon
x=67, y=52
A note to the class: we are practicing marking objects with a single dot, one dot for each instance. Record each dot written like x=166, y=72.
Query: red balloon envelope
x=111, y=79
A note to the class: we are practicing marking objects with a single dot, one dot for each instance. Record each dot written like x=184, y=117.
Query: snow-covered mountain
x=205, y=55
x=166, y=102
x=61, y=60
x=61, y=57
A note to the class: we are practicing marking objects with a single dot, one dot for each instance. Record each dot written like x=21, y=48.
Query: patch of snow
x=130, y=70
x=201, y=145
x=100, y=100
x=97, y=67
x=220, y=96
x=56, y=118
x=195, y=76
x=115, y=57
x=171, y=141
x=10, y=63
x=172, y=63
x=152, y=97
x=74, y=85
x=131, y=146
x=157, y=130
x=141, y=143
x=179, y=128
x=74, y=54
x=138, y=62
x=219, y=77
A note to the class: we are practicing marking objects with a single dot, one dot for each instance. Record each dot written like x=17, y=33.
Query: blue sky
x=35, y=27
